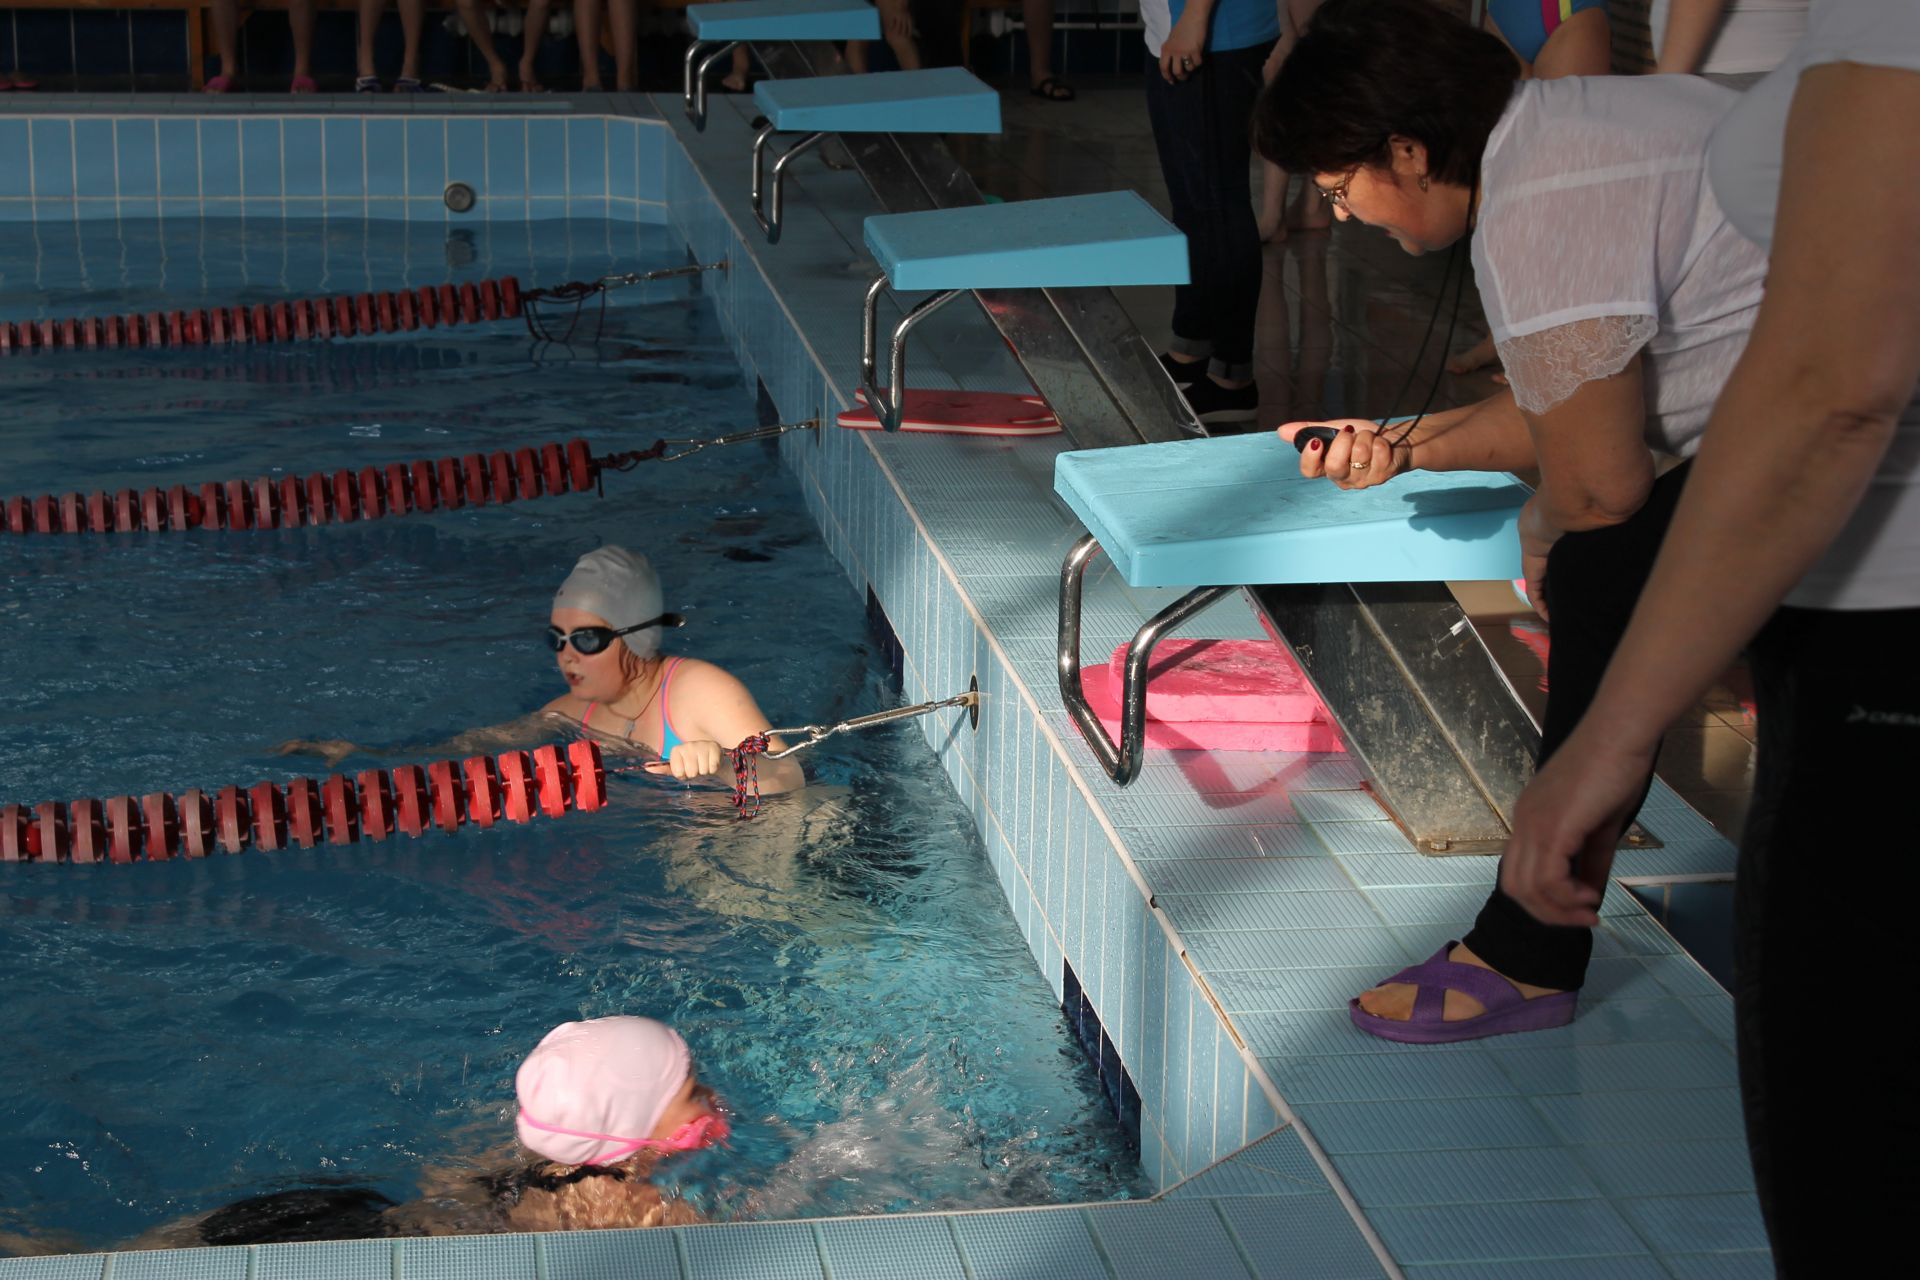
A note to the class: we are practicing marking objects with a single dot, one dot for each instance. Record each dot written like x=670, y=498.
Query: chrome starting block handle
x=693, y=86
x=1121, y=761
x=885, y=410
x=767, y=205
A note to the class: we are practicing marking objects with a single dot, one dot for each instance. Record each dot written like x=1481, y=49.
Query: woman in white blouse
x=1619, y=299
x=1799, y=537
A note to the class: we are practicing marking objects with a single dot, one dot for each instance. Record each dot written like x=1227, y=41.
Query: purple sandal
x=1507, y=1011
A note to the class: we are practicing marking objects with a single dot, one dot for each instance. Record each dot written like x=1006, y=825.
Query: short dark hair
x=1367, y=70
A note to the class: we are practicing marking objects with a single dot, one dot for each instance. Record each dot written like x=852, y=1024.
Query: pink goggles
x=701, y=1131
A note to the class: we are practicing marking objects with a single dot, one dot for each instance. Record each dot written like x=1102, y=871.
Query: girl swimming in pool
x=601, y=1104
x=605, y=630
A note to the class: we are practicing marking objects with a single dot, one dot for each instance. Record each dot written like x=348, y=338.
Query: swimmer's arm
x=726, y=714
x=528, y=731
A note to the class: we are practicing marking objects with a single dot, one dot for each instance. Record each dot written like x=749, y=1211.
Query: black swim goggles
x=591, y=640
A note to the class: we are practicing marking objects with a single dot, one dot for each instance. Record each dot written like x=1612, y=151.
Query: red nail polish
x=1346, y=431
x=1313, y=446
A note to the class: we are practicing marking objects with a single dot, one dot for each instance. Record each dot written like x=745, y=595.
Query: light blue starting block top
x=943, y=100
x=1235, y=511
x=785, y=20
x=1112, y=238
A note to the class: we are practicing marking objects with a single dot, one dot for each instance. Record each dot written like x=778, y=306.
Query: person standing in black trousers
x=1201, y=90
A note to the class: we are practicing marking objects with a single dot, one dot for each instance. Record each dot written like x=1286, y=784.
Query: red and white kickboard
x=1235, y=681
x=962, y=413
x=1103, y=695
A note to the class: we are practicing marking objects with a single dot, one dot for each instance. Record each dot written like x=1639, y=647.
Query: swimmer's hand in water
x=331, y=750
x=691, y=760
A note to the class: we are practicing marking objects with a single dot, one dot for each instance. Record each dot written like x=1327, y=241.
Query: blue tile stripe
x=88, y=166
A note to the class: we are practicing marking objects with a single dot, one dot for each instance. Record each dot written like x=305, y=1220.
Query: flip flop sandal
x=303, y=84
x=411, y=84
x=1054, y=89
x=219, y=84
x=1507, y=1011
x=367, y=84
x=25, y=84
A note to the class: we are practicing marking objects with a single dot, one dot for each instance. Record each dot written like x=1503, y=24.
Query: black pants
x=1202, y=127
x=1823, y=914
x=1593, y=581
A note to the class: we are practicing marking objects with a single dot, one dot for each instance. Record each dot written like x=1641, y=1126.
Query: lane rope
x=298, y=320
x=373, y=804
x=398, y=488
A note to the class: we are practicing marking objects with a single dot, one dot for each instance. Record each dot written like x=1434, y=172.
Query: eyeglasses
x=591, y=640
x=1336, y=195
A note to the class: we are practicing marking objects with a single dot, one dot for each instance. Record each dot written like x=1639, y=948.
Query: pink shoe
x=219, y=84
x=303, y=84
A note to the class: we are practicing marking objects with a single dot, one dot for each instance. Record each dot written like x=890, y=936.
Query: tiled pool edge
x=876, y=497
x=866, y=517
x=129, y=159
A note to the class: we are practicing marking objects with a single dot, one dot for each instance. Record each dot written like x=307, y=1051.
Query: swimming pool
x=845, y=968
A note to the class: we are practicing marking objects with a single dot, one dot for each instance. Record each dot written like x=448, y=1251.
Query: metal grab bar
x=767, y=210
x=887, y=411
x=1121, y=761
x=693, y=82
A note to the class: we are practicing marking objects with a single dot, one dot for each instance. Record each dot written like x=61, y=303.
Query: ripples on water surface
x=180, y=1035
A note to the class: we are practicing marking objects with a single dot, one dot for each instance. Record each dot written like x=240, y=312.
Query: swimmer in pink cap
x=601, y=1103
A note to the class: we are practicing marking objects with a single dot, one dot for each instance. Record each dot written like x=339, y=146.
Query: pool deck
x=1216, y=915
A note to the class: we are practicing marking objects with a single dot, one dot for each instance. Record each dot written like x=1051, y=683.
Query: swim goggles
x=701, y=1131
x=591, y=640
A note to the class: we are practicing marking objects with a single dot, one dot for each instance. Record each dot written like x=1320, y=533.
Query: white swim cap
x=591, y=1092
x=620, y=587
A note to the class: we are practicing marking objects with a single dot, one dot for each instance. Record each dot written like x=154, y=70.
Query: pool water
x=180, y=1035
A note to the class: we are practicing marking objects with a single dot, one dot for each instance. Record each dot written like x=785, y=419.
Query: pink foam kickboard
x=966, y=413
x=1103, y=695
x=1224, y=680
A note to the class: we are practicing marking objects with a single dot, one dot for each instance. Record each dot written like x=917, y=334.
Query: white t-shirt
x=1598, y=236
x=1754, y=35
x=1875, y=562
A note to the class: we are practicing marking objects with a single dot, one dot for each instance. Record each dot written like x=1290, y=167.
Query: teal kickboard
x=1235, y=511
x=942, y=100
x=785, y=20
x=1111, y=238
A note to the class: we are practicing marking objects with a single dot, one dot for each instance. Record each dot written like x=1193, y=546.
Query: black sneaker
x=1183, y=372
x=1213, y=403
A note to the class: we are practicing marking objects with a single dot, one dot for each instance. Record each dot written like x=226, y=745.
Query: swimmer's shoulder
x=565, y=705
x=697, y=680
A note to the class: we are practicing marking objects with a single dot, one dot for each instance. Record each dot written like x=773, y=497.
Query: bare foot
x=1394, y=1000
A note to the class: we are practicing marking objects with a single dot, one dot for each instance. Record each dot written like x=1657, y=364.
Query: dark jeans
x=1593, y=581
x=1822, y=907
x=1202, y=127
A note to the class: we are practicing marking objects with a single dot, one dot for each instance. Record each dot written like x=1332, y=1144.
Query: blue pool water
x=180, y=1035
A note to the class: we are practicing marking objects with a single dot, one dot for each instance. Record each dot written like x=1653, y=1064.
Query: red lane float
x=372, y=804
x=291, y=501
x=299, y=320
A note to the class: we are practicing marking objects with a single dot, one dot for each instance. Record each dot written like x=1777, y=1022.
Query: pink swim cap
x=591, y=1092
